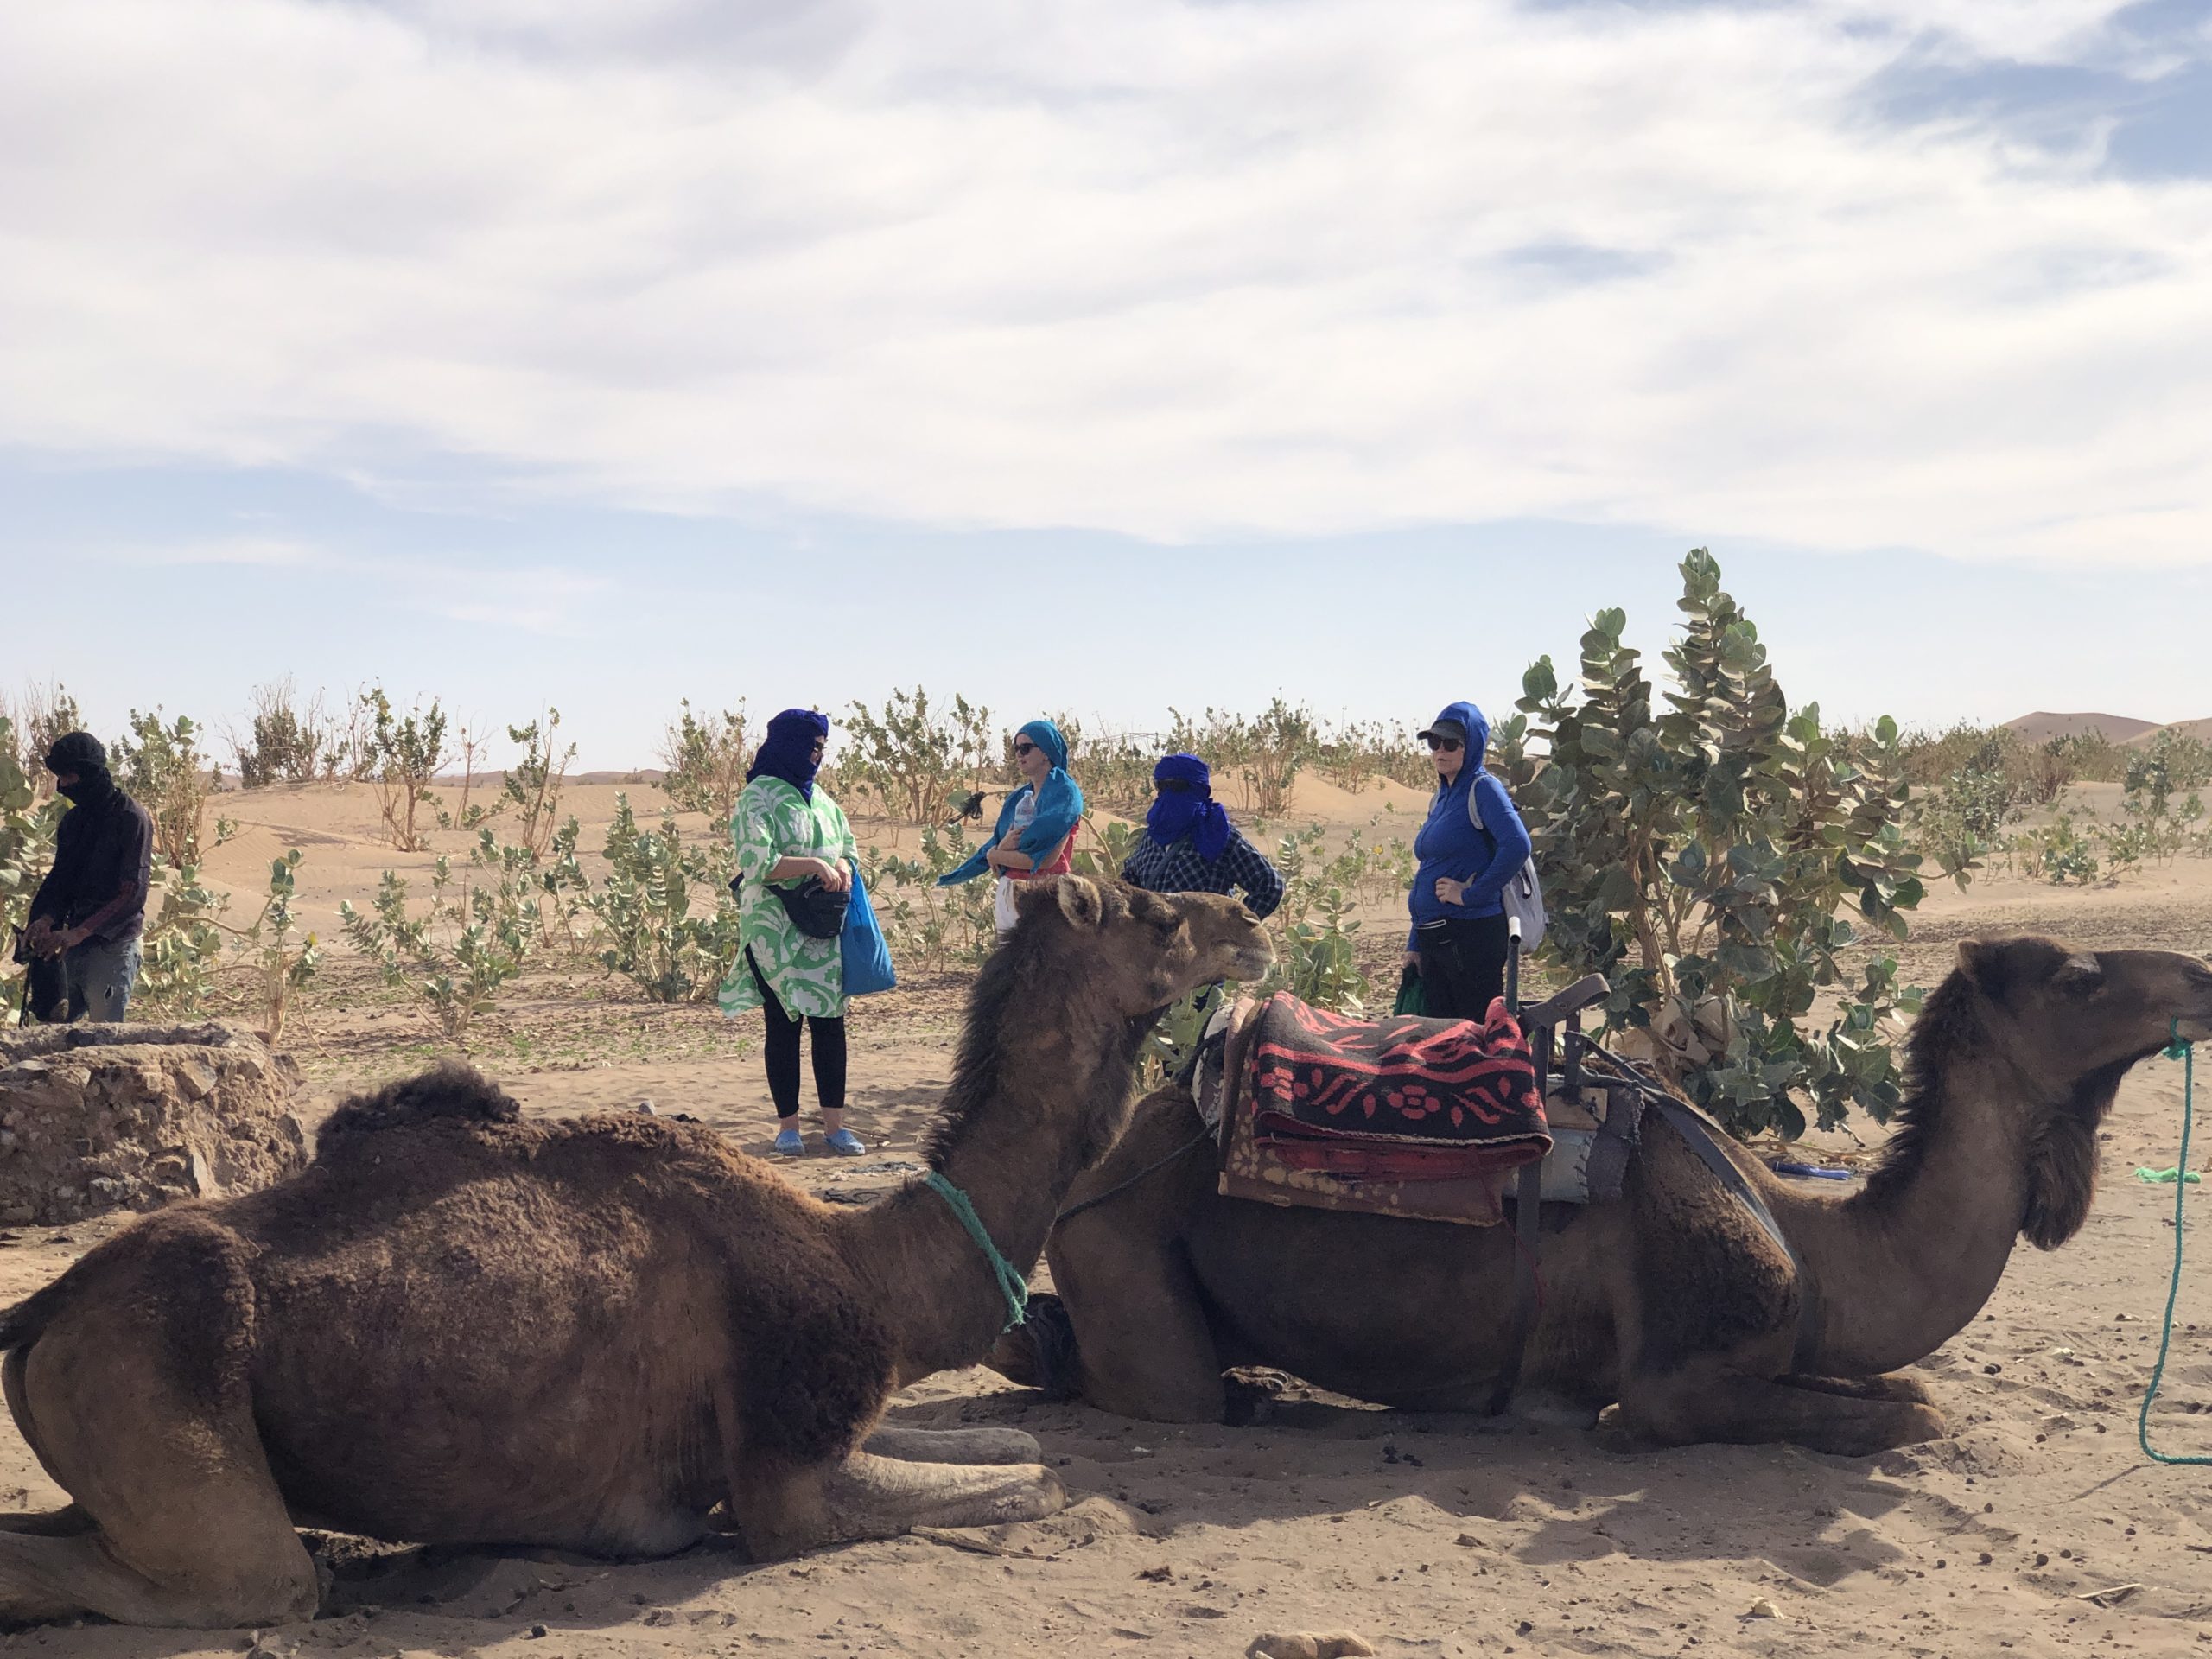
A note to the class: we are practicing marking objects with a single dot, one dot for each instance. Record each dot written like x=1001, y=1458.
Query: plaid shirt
x=1179, y=869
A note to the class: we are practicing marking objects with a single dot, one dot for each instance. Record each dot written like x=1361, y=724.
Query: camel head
x=1140, y=951
x=2066, y=1025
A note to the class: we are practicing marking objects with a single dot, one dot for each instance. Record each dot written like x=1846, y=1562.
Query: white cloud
x=1171, y=270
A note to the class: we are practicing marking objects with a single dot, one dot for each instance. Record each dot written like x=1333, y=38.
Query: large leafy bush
x=1722, y=860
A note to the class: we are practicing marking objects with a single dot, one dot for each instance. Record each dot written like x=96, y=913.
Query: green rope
x=2177, y=1049
x=1011, y=1286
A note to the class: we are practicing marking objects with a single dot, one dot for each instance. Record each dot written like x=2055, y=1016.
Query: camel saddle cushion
x=1400, y=1116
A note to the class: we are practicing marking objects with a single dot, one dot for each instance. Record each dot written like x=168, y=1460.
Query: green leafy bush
x=182, y=946
x=705, y=758
x=928, y=927
x=917, y=762
x=404, y=753
x=285, y=741
x=1703, y=858
x=533, y=784
x=648, y=930
x=161, y=768
x=466, y=944
x=27, y=827
x=286, y=964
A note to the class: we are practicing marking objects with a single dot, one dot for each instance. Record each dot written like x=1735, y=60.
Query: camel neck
x=1043, y=1103
x=1904, y=1265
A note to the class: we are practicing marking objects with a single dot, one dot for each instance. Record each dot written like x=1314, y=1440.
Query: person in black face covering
x=87, y=914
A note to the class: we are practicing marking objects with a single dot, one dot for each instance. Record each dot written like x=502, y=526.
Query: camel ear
x=1081, y=902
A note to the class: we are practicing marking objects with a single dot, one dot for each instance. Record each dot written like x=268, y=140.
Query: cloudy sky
x=1104, y=354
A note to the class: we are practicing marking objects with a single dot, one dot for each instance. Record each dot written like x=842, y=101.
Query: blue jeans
x=98, y=980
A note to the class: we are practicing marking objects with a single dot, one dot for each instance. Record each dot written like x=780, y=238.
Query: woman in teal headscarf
x=1036, y=827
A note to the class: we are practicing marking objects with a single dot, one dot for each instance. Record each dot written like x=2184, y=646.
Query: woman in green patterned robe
x=786, y=831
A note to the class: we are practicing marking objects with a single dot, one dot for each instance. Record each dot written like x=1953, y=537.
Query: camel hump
x=448, y=1092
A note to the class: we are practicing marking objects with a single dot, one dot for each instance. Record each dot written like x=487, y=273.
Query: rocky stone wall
x=128, y=1116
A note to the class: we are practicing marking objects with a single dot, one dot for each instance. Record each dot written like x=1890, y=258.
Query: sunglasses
x=1446, y=744
x=1025, y=748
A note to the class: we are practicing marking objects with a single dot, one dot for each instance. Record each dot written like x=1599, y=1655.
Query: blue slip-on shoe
x=789, y=1143
x=846, y=1143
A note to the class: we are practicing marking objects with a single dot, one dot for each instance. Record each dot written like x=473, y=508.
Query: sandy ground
x=1428, y=1536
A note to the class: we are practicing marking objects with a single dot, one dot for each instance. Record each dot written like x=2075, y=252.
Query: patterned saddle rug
x=1399, y=1115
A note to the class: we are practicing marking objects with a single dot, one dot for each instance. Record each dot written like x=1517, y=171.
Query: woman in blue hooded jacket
x=1037, y=825
x=1471, y=845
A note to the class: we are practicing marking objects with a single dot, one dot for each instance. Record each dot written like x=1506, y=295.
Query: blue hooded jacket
x=1450, y=844
x=1059, y=809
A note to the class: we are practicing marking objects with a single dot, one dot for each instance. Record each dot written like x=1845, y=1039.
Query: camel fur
x=459, y=1326
x=1672, y=1305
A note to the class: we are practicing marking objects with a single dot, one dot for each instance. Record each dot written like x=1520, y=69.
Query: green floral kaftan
x=773, y=822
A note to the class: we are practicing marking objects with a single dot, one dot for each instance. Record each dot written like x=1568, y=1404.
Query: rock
x=646, y=1107
x=1762, y=1609
x=127, y=1116
x=1306, y=1645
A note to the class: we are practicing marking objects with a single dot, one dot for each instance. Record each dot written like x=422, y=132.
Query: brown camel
x=458, y=1326
x=1672, y=1302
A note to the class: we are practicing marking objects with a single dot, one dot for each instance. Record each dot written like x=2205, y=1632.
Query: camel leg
x=137, y=1406
x=1698, y=1405
x=1143, y=1343
x=983, y=1445
x=867, y=1496
x=1893, y=1385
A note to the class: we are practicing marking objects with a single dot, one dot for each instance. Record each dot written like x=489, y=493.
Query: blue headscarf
x=788, y=753
x=1191, y=810
x=1059, y=809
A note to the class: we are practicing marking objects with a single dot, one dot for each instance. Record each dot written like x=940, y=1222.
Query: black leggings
x=783, y=1052
x=1463, y=966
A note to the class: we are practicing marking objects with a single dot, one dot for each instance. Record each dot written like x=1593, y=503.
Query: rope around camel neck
x=1012, y=1285
x=2176, y=1048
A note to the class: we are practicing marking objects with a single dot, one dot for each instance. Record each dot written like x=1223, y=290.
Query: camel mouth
x=1251, y=961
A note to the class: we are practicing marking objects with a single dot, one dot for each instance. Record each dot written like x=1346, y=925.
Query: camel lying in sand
x=458, y=1326
x=1672, y=1302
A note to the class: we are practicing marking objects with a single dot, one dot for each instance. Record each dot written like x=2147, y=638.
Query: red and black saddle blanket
x=1399, y=1114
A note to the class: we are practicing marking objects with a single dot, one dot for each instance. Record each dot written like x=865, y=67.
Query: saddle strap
x=1527, y=1211
x=1701, y=1135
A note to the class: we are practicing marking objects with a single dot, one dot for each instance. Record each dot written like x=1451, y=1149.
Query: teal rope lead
x=1011, y=1286
x=2186, y=1053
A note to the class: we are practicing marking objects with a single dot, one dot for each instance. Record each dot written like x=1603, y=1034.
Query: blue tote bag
x=867, y=958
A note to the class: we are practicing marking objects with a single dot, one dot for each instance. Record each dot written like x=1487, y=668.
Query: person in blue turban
x=1190, y=846
x=1035, y=834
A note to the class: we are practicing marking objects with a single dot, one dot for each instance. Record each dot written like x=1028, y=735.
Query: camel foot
x=69, y=1522
x=1551, y=1410
x=47, y=1579
x=1687, y=1408
x=953, y=1444
x=867, y=1496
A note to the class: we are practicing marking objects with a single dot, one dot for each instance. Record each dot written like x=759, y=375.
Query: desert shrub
x=2090, y=756
x=162, y=769
x=1259, y=759
x=647, y=931
x=182, y=945
x=38, y=714
x=285, y=741
x=1354, y=754
x=468, y=812
x=917, y=762
x=454, y=957
x=534, y=782
x=929, y=927
x=2169, y=761
x=1703, y=859
x=27, y=827
x=705, y=758
x=403, y=755
x=285, y=964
